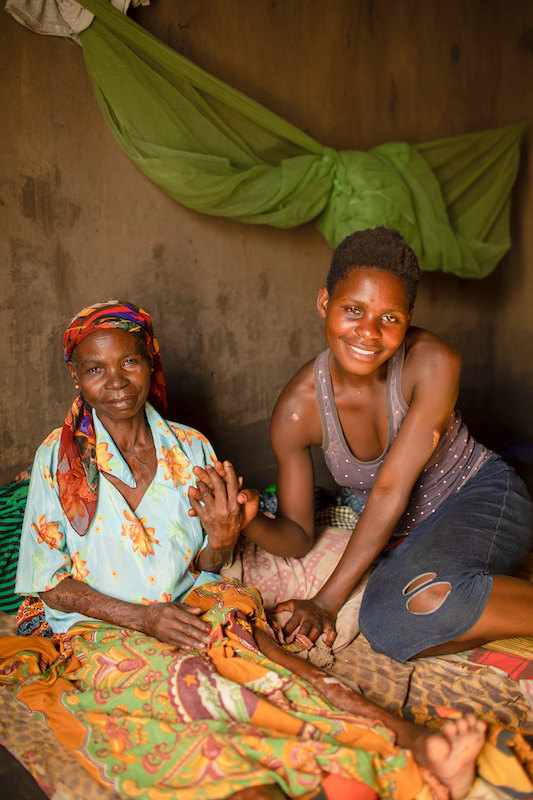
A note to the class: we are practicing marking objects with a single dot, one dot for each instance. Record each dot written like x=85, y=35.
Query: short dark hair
x=382, y=248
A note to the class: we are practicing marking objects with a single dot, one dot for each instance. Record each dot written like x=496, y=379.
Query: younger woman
x=449, y=520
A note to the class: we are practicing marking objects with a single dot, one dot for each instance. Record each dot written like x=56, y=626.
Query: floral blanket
x=155, y=723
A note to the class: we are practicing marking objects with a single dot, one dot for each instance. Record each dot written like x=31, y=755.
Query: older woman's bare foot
x=450, y=754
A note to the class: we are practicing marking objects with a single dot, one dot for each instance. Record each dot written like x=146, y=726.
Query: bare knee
x=429, y=597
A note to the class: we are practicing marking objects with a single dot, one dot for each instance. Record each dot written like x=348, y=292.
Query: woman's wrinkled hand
x=215, y=503
x=248, y=499
x=176, y=624
x=309, y=618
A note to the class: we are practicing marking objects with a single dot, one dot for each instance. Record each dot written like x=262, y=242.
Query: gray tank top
x=456, y=459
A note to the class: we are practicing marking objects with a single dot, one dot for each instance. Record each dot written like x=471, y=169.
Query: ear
x=322, y=301
x=410, y=315
x=73, y=372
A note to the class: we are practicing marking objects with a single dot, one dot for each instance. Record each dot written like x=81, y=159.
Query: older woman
x=165, y=680
x=157, y=552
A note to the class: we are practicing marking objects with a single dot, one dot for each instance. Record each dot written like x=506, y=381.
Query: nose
x=368, y=327
x=116, y=379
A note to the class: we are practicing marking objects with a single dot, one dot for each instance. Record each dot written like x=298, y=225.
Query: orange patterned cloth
x=150, y=721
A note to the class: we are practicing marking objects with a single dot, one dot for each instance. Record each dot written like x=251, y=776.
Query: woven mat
x=521, y=647
x=433, y=682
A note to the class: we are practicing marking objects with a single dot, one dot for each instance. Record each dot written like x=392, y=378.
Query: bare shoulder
x=424, y=348
x=296, y=418
x=429, y=358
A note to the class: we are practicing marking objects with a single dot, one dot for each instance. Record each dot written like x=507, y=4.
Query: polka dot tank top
x=456, y=459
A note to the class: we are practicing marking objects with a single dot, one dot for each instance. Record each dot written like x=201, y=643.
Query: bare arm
x=173, y=623
x=292, y=431
x=437, y=368
x=291, y=533
x=283, y=535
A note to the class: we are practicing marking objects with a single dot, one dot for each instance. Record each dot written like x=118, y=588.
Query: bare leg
x=508, y=613
x=449, y=754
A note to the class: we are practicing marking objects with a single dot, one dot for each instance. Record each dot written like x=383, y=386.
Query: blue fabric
x=144, y=556
x=324, y=498
x=485, y=529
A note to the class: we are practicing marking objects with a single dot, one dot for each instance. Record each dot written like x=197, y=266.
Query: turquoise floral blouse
x=144, y=556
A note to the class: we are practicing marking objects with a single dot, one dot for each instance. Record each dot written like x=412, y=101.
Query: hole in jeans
x=426, y=577
x=429, y=599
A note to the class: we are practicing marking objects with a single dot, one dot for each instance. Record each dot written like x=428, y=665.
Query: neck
x=130, y=434
x=342, y=378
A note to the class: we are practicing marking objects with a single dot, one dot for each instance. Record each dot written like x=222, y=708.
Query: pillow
x=280, y=579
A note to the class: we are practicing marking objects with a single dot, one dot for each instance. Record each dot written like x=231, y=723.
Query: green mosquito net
x=215, y=150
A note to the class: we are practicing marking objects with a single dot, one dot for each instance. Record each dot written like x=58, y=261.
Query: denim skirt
x=485, y=529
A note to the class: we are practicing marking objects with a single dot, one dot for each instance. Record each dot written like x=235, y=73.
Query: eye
x=390, y=318
x=354, y=311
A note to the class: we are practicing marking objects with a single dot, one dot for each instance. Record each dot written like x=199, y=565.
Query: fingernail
x=227, y=464
x=209, y=628
x=242, y=497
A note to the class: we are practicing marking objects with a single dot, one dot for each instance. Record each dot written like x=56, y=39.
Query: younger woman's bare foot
x=450, y=754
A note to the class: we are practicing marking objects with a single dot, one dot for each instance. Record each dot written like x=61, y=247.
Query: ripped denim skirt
x=485, y=529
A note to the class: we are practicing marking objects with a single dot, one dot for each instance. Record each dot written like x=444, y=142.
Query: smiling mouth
x=121, y=401
x=361, y=352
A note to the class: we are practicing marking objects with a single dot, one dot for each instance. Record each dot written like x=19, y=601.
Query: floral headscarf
x=77, y=468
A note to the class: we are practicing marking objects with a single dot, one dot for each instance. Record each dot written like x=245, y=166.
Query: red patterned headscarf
x=77, y=468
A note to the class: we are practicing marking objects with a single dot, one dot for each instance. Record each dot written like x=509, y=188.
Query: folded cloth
x=324, y=499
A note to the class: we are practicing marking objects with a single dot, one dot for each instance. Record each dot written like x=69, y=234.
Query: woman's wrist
x=212, y=559
x=329, y=603
x=254, y=523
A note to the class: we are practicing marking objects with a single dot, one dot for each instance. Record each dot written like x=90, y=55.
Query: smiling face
x=367, y=318
x=112, y=368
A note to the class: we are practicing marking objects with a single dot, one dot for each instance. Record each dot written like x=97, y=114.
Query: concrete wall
x=234, y=305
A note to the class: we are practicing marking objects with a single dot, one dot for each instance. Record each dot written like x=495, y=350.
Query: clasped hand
x=309, y=618
x=221, y=503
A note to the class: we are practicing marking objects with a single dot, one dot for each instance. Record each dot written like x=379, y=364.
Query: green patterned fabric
x=217, y=151
x=155, y=722
x=12, y=504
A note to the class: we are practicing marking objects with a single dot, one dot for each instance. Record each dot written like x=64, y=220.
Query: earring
x=76, y=386
x=152, y=369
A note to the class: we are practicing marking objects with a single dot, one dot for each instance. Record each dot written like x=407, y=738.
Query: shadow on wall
x=501, y=422
x=248, y=448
